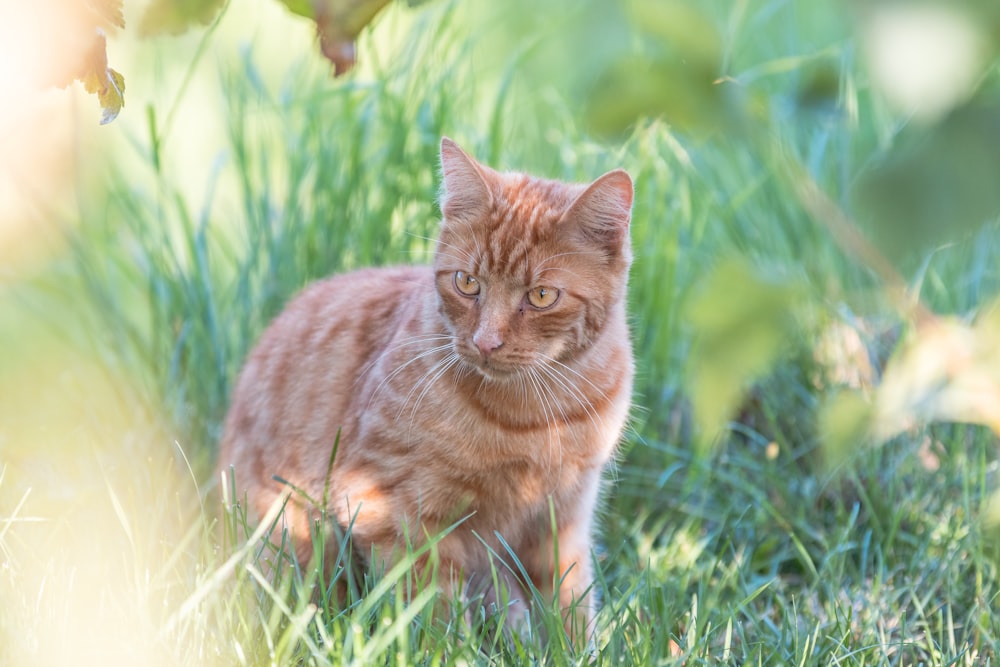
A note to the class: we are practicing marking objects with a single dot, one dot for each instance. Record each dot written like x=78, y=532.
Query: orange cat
x=484, y=387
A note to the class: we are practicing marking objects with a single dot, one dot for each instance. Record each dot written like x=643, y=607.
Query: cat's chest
x=450, y=462
x=455, y=449
x=499, y=476
x=494, y=497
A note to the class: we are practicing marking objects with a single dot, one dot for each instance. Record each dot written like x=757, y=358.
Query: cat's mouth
x=491, y=368
x=495, y=373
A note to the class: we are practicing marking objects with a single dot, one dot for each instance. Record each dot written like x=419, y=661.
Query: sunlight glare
x=926, y=59
x=38, y=43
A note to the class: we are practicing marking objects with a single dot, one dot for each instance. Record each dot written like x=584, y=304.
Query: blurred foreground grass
x=227, y=194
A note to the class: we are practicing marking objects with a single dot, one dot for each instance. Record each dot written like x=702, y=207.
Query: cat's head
x=528, y=270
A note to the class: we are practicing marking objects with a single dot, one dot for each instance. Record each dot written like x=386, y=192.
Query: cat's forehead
x=532, y=203
x=521, y=232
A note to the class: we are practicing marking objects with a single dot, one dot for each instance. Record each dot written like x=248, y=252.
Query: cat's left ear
x=603, y=211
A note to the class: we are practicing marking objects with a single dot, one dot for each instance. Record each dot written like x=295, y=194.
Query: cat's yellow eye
x=466, y=284
x=543, y=297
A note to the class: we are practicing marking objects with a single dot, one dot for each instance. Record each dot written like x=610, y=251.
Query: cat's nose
x=487, y=342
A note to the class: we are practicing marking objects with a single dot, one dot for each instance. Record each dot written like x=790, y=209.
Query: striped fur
x=452, y=405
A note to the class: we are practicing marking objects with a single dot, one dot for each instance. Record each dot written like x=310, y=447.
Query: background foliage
x=815, y=231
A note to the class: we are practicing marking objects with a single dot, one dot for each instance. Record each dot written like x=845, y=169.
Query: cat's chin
x=499, y=377
x=494, y=374
x=492, y=371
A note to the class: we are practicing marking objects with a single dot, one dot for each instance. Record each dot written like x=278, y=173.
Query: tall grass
x=755, y=553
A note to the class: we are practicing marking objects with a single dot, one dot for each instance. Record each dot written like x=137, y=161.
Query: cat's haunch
x=486, y=386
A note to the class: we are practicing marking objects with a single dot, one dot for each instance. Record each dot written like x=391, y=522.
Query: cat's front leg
x=575, y=580
x=563, y=566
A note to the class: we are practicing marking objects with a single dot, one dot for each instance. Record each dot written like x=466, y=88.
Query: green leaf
x=301, y=7
x=684, y=93
x=176, y=16
x=741, y=322
x=111, y=96
x=845, y=422
x=678, y=76
x=938, y=185
x=681, y=27
x=819, y=87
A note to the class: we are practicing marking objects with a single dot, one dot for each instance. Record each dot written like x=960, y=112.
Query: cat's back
x=296, y=386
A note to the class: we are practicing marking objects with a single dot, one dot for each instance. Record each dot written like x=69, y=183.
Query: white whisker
x=574, y=392
x=479, y=250
x=430, y=371
x=399, y=369
x=412, y=340
x=464, y=256
x=461, y=261
x=540, y=273
x=579, y=375
x=581, y=397
x=569, y=253
x=444, y=365
x=545, y=400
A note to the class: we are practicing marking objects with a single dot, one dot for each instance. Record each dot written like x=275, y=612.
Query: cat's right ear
x=603, y=211
x=465, y=194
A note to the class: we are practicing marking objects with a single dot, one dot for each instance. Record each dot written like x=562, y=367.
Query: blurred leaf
x=947, y=371
x=109, y=12
x=68, y=43
x=679, y=79
x=741, y=322
x=937, y=186
x=110, y=89
x=301, y=7
x=175, y=16
x=338, y=24
x=685, y=94
x=925, y=57
x=681, y=27
x=990, y=522
x=844, y=424
x=97, y=78
x=819, y=88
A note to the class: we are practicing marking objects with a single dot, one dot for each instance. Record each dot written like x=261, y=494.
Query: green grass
x=115, y=548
